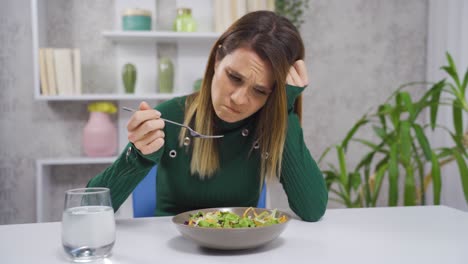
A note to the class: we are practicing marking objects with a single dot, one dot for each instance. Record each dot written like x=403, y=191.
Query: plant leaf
x=369, y=144
x=393, y=176
x=366, y=160
x=410, y=188
x=382, y=111
x=425, y=99
x=355, y=180
x=451, y=69
x=465, y=83
x=459, y=96
x=457, y=120
x=458, y=142
x=353, y=130
x=367, y=192
x=330, y=178
x=419, y=167
x=342, y=161
x=333, y=167
x=445, y=152
x=404, y=99
x=436, y=180
x=405, y=143
x=395, y=116
x=434, y=105
x=378, y=182
x=325, y=152
x=380, y=132
x=463, y=172
x=423, y=142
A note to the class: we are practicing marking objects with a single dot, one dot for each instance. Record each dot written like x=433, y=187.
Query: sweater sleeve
x=301, y=178
x=125, y=173
x=132, y=166
x=292, y=92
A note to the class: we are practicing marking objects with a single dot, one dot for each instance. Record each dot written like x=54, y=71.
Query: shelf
x=109, y=97
x=76, y=161
x=189, y=52
x=159, y=36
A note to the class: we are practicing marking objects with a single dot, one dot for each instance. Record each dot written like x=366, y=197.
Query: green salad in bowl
x=231, y=228
x=229, y=219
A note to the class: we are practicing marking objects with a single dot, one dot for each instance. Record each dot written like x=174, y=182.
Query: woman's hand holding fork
x=145, y=129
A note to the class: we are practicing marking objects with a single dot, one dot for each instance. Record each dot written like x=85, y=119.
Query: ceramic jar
x=100, y=133
x=136, y=19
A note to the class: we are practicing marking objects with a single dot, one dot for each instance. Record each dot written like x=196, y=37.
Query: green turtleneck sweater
x=236, y=183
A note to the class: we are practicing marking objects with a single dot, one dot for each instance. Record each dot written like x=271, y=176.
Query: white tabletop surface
x=431, y=234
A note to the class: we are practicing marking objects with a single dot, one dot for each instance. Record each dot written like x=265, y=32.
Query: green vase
x=129, y=75
x=184, y=21
x=165, y=75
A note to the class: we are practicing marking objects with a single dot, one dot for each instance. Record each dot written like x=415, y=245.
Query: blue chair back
x=144, y=196
x=262, y=199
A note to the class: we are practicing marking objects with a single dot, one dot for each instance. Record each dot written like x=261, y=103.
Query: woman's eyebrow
x=263, y=88
x=232, y=71
x=239, y=75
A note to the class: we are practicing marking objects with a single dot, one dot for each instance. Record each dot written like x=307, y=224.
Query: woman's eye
x=234, y=78
x=260, y=91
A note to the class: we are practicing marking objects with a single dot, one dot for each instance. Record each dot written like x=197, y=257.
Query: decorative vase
x=129, y=76
x=166, y=75
x=184, y=21
x=99, y=133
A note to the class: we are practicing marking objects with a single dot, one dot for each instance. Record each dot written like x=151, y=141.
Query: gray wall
x=357, y=51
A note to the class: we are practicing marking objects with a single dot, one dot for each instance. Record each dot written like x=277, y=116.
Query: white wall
x=448, y=31
x=357, y=52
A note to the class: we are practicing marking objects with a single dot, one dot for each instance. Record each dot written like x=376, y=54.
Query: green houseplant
x=402, y=151
x=292, y=10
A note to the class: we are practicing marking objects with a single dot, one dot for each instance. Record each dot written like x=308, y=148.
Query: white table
x=432, y=234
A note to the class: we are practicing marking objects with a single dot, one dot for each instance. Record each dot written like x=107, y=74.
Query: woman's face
x=241, y=85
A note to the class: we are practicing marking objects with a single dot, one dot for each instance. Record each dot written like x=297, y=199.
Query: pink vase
x=99, y=136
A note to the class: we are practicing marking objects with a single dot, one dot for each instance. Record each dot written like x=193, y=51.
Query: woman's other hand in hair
x=145, y=129
x=297, y=75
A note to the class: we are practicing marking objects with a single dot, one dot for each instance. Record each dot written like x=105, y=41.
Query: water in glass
x=88, y=224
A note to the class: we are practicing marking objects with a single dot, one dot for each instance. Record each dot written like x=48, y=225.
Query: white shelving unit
x=154, y=37
x=109, y=97
x=43, y=186
x=139, y=48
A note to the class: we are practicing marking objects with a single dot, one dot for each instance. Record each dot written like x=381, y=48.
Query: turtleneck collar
x=225, y=127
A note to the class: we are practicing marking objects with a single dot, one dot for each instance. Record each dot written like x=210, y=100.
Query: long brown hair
x=277, y=42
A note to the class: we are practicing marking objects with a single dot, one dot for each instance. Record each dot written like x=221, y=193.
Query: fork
x=193, y=133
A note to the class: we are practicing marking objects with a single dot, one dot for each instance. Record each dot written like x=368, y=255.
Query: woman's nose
x=240, y=95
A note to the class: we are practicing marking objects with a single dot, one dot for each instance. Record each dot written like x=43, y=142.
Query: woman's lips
x=233, y=110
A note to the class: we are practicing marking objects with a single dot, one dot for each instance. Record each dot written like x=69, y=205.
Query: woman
x=244, y=97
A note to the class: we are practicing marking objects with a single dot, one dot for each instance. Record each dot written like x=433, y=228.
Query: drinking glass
x=88, y=224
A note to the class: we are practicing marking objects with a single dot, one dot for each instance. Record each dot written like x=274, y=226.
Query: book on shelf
x=60, y=71
x=228, y=11
x=50, y=68
x=63, y=71
x=43, y=72
x=76, y=71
